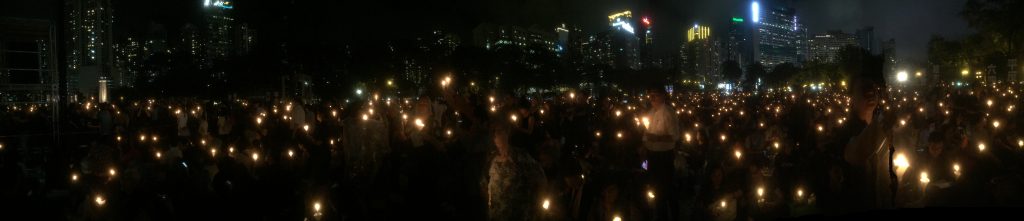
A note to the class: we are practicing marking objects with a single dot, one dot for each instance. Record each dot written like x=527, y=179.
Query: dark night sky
x=910, y=22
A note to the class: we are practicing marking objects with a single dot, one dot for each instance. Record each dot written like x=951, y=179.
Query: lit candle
x=99, y=200
x=158, y=155
x=981, y=147
x=142, y=137
x=259, y=120
x=687, y=137
x=316, y=209
x=255, y=157
x=995, y=124
x=112, y=172
x=514, y=118
x=305, y=127
x=231, y=149
x=419, y=123
x=901, y=164
x=619, y=135
x=74, y=177
x=213, y=151
x=546, y=204
x=924, y=181
x=617, y=218
x=647, y=123
x=956, y=170
x=650, y=194
x=738, y=154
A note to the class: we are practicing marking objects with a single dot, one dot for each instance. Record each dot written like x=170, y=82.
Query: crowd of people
x=569, y=155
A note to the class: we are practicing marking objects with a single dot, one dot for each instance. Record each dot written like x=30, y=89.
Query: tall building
x=128, y=62
x=220, y=23
x=89, y=25
x=562, y=42
x=701, y=55
x=193, y=45
x=825, y=47
x=624, y=42
x=889, y=54
x=28, y=71
x=647, y=43
x=493, y=37
x=245, y=40
x=438, y=42
x=803, y=49
x=866, y=39
x=776, y=34
x=737, y=44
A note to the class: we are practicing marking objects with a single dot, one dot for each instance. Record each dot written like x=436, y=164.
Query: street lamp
x=901, y=76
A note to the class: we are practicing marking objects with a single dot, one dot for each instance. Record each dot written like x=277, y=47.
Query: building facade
x=825, y=47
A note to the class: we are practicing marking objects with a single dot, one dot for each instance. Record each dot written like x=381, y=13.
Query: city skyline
x=933, y=17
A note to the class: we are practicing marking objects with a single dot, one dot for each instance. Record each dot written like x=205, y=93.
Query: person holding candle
x=661, y=134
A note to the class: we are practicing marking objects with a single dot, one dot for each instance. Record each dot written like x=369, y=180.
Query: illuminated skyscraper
x=737, y=44
x=492, y=37
x=776, y=34
x=562, y=43
x=220, y=23
x=128, y=62
x=192, y=44
x=89, y=25
x=624, y=41
x=701, y=54
x=647, y=43
x=698, y=33
x=825, y=47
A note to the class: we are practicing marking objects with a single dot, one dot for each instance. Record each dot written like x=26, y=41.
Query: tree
x=999, y=21
x=781, y=74
x=731, y=71
x=754, y=71
x=860, y=65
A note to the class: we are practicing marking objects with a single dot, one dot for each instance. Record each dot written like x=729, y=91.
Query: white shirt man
x=662, y=122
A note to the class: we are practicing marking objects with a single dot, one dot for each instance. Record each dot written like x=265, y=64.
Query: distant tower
x=89, y=31
x=624, y=40
x=776, y=35
x=220, y=23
